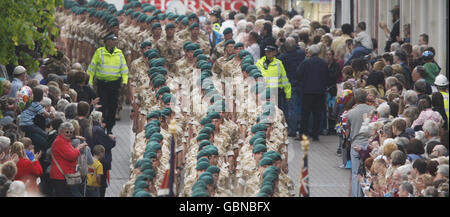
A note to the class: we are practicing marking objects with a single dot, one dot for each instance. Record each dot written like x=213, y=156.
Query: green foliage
x=25, y=30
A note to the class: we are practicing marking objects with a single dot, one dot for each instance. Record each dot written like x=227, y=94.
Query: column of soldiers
x=231, y=139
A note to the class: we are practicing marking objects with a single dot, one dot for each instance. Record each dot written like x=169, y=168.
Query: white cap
x=19, y=70
x=441, y=80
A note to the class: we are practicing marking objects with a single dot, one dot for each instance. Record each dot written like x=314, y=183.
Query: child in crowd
x=29, y=147
x=95, y=171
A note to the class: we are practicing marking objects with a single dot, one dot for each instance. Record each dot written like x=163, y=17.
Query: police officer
x=275, y=76
x=109, y=67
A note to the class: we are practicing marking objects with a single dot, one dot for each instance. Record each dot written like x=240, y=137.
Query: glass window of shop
x=314, y=9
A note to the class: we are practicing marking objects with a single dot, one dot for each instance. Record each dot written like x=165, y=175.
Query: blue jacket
x=291, y=60
x=99, y=137
x=313, y=72
x=356, y=53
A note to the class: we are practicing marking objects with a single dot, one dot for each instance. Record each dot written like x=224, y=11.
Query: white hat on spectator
x=19, y=70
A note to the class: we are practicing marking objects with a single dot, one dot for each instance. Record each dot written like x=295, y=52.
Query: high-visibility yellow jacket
x=108, y=67
x=216, y=26
x=446, y=103
x=275, y=75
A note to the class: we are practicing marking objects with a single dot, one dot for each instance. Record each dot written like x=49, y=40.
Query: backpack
x=82, y=162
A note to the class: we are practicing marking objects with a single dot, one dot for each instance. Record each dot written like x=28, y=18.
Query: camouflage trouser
x=123, y=92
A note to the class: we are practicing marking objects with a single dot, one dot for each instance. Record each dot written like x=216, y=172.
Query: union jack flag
x=304, y=178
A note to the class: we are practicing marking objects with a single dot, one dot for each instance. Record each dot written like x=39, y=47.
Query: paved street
x=326, y=178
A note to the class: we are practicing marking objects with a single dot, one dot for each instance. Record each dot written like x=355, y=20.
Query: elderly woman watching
x=66, y=156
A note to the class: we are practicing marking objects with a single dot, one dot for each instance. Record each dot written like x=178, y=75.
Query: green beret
x=172, y=16
x=202, y=136
x=201, y=57
x=207, y=84
x=202, y=159
x=239, y=44
x=205, y=120
x=258, y=75
x=157, y=62
x=244, y=66
x=267, y=189
x=258, y=127
x=229, y=41
x=161, y=16
x=210, y=125
x=147, y=52
x=142, y=194
x=243, y=53
x=156, y=12
x=190, y=47
x=150, y=172
x=208, y=179
x=192, y=15
x=146, y=44
x=155, y=122
x=200, y=63
x=254, y=71
x=166, y=111
x=200, y=194
x=261, y=141
x=158, y=136
x=206, y=130
x=150, y=19
x=250, y=68
x=194, y=25
x=162, y=90
x=135, y=14
x=265, y=161
x=197, y=52
x=159, y=82
x=153, y=114
x=211, y=150
x=270, y=170
x=140, y=184
x=211, y=91
x=155, y=147
x=150, y=155
x=259, y=148
x=145, y=166
x=227, y=30
x=231, y=57
x=247, y=61
x=206, y=66
x=213, y=169
x=185, y=21
x=202, y=165
x=203, y=144
x=169, y=25
x=156, y=25
x=153, y=55
x=270, y=177
x=167, y=97
x=214, y=115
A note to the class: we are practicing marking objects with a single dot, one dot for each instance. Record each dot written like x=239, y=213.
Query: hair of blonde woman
x=389, y=148
x=76, y=127
x=259, y=24
x=18, y=148
x=95, y=116
x=396, y=68
x=341, y=51
x=378, y=66
x=73, y=95
x=26, y=142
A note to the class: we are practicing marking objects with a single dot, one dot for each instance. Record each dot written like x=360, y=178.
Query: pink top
x=428, y=114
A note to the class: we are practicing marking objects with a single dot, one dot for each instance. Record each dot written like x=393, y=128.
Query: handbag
x=71, y=179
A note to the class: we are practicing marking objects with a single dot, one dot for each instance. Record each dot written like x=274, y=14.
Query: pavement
x=325, y=177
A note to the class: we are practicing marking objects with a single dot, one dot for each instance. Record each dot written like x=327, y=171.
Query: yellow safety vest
x=275, y=75
x=108, y=67
x=216, y=27
x=445, y=96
